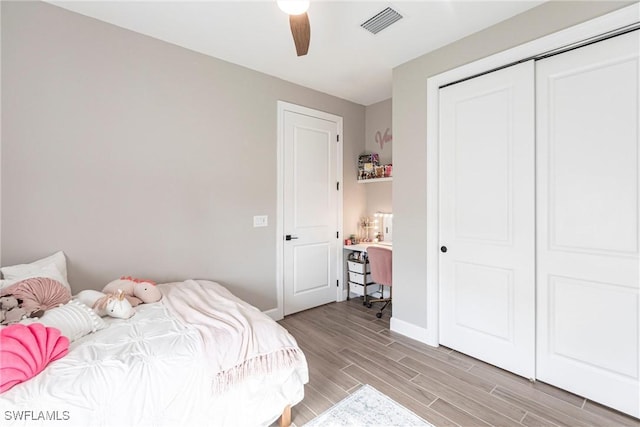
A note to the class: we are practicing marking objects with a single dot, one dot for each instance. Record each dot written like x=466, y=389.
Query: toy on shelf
x=369, y=167
x=367, y=164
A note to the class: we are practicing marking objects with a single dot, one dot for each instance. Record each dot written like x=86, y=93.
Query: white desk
x=362, y=247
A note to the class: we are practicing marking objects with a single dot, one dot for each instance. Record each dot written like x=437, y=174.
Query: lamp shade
x=293, y=7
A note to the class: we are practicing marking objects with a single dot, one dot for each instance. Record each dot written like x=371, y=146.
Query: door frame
x=612, y=21
x=278, y=312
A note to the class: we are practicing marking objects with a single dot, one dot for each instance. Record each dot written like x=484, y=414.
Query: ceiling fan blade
x=301, y=31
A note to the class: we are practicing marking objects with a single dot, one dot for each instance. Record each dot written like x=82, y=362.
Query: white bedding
x=154, y=370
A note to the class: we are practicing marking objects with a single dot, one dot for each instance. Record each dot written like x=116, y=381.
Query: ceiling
x=344, y=60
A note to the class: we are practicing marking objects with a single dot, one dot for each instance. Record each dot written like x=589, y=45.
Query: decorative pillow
x=27, y=271
x=26, y=350
x=58, y=259
x=5, y=283
x=74, y=320
x=53, y=267
x=38, y=293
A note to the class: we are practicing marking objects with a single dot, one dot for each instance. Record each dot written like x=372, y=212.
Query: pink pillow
x=38, y=293
x=26, y=350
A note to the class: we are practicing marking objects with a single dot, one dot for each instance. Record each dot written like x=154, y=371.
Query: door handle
x=290, y=237
x=443, y=249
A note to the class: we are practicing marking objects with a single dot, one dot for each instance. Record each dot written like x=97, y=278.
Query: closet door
x=587, y=210
x=487, y=283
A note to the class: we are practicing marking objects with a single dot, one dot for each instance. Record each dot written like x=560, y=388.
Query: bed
x=199, y=357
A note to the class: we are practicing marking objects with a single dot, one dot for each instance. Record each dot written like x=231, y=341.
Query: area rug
x=367, y=407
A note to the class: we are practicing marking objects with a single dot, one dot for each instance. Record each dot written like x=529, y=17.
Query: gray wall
x=410, y=135
x=138, y=157
x=372, y=197
x=378, y=119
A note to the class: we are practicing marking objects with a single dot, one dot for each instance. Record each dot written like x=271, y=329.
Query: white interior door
x=487, y=284
x=588, y=237
x=310, y=210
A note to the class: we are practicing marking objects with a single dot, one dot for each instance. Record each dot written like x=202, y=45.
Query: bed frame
x=285, y=418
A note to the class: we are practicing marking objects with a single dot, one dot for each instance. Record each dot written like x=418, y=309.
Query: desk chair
x=380, y=260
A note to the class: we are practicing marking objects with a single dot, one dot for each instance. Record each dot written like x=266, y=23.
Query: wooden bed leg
x=285, y=418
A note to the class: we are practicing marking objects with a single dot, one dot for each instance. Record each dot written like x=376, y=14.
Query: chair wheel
x=369, y=305
x=379, y=315
x=364, y=302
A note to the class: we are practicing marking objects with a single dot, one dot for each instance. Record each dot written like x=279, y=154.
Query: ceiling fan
x=299, y=23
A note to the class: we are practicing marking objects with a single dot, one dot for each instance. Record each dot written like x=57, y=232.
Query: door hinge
x=337, y=235
x=337, y=283
x=338, y=186
x=337, y=138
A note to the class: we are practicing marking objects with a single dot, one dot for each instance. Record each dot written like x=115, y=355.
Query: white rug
x=367, y=407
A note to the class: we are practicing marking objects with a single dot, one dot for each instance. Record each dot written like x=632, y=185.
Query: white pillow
x=5, y=283
x=60, y=261
x=74, y=319
x=28, y=271
x=53, y=267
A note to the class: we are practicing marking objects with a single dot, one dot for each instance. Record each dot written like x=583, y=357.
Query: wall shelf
x=369, y=181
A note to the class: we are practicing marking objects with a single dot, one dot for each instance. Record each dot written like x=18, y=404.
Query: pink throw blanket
x=239, y=340
x=26, y=350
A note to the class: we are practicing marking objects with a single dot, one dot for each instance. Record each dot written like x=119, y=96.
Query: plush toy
x=14, y=315
x=137, y=291
x=10, y=310
x=8, y=302
x=113, y=305
x=89, y=297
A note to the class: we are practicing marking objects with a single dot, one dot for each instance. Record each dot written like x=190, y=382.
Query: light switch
x=260, y=220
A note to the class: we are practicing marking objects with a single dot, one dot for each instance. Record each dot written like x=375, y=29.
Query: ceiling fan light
x=293, y=7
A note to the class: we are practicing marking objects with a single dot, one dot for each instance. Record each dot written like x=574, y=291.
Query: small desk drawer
x=358, y=289
x=359, y=278
x=358, y=267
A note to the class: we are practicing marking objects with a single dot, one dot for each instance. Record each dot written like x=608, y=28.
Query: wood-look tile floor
x=347, y=346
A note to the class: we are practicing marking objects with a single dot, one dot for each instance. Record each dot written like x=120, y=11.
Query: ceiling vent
x=382, y=20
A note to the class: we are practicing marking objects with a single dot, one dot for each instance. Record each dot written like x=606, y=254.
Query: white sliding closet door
x=587, y=211
x=487, y=283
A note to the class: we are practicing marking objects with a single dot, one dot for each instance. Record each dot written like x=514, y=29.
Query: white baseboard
x=412, y=331
x=274, y=313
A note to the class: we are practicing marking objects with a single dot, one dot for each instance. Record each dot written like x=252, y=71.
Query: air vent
x=382, y=20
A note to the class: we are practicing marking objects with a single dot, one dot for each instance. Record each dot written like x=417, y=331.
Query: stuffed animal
x=137, y=291
x=113, y=305
x=10, y=310
x=14, y=315
x=8, y=302
x=89, y=297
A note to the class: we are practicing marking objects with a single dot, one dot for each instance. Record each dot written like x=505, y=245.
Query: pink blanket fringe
x=283, y=359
